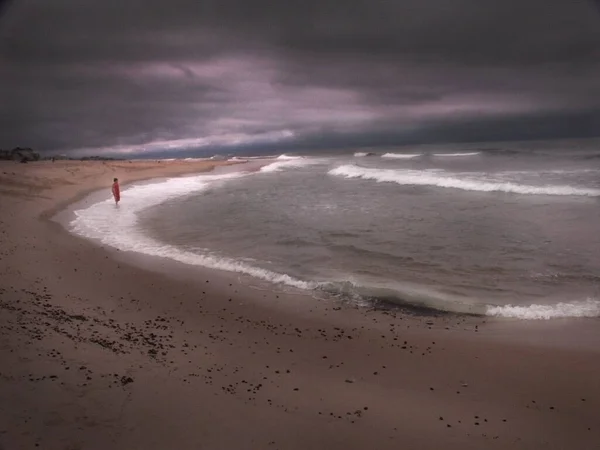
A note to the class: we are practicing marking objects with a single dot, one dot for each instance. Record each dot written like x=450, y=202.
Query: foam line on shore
x=586, y=308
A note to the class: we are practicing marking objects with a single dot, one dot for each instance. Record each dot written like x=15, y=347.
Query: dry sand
x=100, y=350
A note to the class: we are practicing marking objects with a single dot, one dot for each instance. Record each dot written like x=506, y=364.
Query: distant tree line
x=25, y=155
x=19, y=154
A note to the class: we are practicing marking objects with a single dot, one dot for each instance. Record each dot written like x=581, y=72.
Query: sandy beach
x=102, y=350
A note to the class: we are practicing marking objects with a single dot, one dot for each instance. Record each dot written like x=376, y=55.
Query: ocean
x=504, y=230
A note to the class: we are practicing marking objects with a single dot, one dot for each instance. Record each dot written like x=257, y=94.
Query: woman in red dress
x=116, y=192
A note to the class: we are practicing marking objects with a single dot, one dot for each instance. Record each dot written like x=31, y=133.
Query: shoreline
x=319, y=289
x=104, y=353
x=63, y=212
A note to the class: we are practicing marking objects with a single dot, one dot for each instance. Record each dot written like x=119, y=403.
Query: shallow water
x=510, y=233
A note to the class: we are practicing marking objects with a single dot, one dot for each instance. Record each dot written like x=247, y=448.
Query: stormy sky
x=143, y=76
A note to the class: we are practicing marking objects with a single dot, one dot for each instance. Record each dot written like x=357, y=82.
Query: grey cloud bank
x=147, y=76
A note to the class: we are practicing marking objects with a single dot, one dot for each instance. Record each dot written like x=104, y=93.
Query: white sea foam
x=100, y=221
x=457, y=154
x=445, y=180
x=235, y=158
x=587, y=308
x=288, y=163
x=401, y=155
x=360, y=154
x=286, y=157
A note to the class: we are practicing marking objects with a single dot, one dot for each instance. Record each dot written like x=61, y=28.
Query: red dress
x=116, y=192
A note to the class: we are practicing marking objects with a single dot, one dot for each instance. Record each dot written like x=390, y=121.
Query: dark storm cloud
x=147, y=75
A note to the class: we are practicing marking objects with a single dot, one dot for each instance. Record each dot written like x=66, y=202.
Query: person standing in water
x=116, y=192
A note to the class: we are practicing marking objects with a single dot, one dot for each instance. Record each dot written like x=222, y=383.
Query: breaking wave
x=289, y=162
x=401, y=155
x=429, y=301
x=424, y=178
x=457, y=154
x=587, y=308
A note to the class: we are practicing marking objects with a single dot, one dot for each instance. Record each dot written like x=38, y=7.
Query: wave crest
x=457, y=154
x=422, y=178
x=284, y=162
x=401, y=155
x=292, y=163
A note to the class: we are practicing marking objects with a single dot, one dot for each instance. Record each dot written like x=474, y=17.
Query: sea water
x=500, y=230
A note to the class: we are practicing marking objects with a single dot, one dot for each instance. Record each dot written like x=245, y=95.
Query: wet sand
x=105, y=350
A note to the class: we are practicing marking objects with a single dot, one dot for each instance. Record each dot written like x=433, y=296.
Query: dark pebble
x=126, y=380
